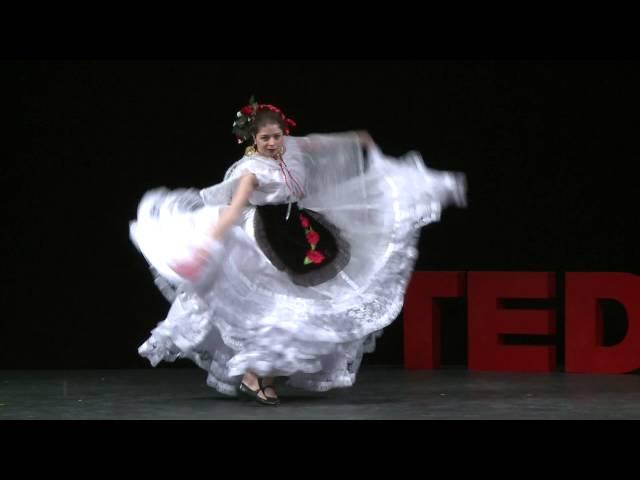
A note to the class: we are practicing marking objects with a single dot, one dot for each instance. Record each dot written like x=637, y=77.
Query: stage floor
x=380, y=393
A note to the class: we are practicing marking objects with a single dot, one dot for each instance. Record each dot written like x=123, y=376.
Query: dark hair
x=266, y=117
x=254, y=116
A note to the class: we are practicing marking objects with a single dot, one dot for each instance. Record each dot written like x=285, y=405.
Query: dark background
x=549, y=148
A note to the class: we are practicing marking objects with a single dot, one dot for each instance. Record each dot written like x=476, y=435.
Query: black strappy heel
x=254, y=394
x=274, y=400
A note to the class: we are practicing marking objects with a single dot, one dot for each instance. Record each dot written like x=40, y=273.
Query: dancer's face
x=269, y=140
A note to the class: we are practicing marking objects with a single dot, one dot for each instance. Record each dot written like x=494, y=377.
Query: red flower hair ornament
x=247, y=114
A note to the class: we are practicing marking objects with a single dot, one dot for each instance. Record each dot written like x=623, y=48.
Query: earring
x=250, y=150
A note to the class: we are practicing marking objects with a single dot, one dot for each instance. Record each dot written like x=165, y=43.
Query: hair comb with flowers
x=247, y=114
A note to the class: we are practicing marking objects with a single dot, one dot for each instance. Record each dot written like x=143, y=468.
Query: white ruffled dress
x=244, y=313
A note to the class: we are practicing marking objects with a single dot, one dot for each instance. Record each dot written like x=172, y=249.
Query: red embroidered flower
x=313, y=237
x=247, y=110
x=314, y=256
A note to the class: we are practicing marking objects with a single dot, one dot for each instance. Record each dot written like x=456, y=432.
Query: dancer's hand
x=192, y=269
x=365, y=139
